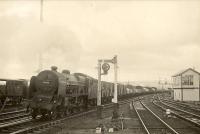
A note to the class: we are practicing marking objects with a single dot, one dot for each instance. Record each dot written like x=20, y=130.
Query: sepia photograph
x=99, y=67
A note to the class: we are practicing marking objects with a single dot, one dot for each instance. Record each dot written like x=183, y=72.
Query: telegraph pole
x=41, y=10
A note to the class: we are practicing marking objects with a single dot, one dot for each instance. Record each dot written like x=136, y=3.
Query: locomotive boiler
x=57, y=94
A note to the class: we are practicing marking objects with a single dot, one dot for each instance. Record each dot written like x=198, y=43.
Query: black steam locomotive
x=58, y=94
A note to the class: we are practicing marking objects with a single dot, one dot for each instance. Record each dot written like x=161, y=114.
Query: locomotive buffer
x=105, y=68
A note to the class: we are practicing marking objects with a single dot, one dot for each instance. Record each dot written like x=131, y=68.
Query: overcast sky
x=153, y=39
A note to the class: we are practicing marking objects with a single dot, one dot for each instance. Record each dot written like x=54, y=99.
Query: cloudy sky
x=153, y=39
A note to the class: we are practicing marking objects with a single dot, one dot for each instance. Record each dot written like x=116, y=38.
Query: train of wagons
x=56, y=93
x=13, y=91
x=52, y=93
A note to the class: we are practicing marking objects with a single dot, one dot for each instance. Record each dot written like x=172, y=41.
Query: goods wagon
x=13, y=91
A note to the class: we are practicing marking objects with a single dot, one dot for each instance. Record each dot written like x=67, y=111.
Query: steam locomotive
x=56, y=94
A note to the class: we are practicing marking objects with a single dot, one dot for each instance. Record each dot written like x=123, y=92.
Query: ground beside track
x=87, y=124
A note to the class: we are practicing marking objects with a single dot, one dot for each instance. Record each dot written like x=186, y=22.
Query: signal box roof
x=183, y=71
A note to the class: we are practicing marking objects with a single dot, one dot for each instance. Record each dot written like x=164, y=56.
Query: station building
x=186, y=85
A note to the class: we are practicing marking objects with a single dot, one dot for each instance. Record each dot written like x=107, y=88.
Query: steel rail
x=14, y=117
x=177, y=109
x=179, y=116
x=60, y=121
x=164, y=123
x=17, y=122
x=13, y=112
x=143, y=125
x=182, y=105
x=27, y=119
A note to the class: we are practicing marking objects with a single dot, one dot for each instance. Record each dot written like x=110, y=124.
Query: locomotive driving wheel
x=34, y=113
x=62, y=114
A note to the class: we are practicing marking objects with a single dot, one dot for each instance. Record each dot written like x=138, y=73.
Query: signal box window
x=187, y=80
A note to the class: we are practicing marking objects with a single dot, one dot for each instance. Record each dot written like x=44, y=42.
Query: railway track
x=187, y=111
x=189, y=117
x=184, y=103
x=10, y=116
x=178, y=124
x=28, y=125
x=195, y=104
x=190, y=108
x=7, y=119
x=151, y=123
x=11, y=108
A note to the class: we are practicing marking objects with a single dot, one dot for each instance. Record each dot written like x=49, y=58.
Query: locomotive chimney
x=54, y=68
x=67, y=72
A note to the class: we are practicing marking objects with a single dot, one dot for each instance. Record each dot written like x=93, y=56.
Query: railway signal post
x=105, y=68
x=99, y=106
x=116, y=105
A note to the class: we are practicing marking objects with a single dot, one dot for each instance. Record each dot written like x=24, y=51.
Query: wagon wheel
x=34, y=116
x=75, y=110
x=28, y=109
x=43, y=114
x=14, y=103
x=1, y=101
x=53, y=114
x=82, y=108
x=68, y=111
x=20, y=100
x=62, y=113
x=33, y=113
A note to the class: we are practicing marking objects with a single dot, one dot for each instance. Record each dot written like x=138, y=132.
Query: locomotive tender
x=58, y=94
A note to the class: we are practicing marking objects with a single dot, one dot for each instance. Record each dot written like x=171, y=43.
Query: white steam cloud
x=22, y=43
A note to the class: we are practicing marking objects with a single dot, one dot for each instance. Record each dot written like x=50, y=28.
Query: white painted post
x=99, y=84
x=99, y=106
x=115, y=79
